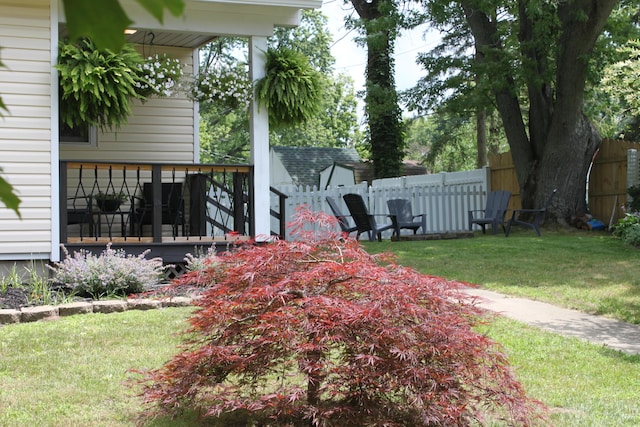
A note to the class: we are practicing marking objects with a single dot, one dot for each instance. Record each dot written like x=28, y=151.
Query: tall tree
x=534, y=56
x=379, y=23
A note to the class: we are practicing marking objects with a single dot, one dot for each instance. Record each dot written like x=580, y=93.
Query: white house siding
x=25, y=131
x=159, y=130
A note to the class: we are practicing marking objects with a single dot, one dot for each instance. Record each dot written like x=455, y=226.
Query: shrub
x=632, y=235
x=628, y=229
x=112, y=273
x=318, y=332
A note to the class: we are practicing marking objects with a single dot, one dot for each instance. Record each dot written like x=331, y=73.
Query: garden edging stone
x=50, y=312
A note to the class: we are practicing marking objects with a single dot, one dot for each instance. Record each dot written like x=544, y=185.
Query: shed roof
x=305, y=163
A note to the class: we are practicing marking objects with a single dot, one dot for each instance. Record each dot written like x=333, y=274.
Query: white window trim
x=92, y=140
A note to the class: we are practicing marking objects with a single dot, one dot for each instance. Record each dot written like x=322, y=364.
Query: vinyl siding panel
x=159, y=130
x=25, y=133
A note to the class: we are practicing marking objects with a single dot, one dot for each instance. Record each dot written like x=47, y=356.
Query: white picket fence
x=446, y=198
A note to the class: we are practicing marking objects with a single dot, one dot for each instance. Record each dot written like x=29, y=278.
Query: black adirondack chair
x=365, y=222
x=80, y=211
x=494, y=212
x=531, y=218
x=402, y=216
x=342, y=219
x=172, y=208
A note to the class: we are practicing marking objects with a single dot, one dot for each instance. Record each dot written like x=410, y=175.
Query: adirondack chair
x=531, y=218
x=402, y=216
x=342, y=219
x=494, y=212
x=365, y=222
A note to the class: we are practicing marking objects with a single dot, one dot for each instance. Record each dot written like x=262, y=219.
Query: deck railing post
x=63, y=202
x=156, y=186
x=238, y=203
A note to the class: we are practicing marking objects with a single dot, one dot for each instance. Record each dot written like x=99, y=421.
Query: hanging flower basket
x=96, y=86
x=227, y=85
x=291, y=89
x=159, y=75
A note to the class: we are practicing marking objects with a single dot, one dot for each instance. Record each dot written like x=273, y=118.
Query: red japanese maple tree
x=319, y=332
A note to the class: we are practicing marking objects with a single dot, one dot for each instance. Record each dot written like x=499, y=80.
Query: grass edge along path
x=588, y=271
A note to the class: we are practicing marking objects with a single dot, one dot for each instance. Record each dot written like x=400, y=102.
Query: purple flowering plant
x=113, y=272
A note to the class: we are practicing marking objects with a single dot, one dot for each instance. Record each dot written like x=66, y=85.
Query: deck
x=172, y=209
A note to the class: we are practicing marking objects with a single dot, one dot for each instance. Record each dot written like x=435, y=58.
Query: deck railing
x=155, y=203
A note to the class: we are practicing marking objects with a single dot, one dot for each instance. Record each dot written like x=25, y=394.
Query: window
x=84, y=136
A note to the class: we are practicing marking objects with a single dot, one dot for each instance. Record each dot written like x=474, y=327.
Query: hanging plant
x=96, y=86
x=224, y=84
x=291, y=88
x=159, y=75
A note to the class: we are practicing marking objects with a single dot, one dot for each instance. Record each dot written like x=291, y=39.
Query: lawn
x=589, y=271
x=73, y=371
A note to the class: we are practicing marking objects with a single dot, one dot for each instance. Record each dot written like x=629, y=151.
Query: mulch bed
x=14, y=298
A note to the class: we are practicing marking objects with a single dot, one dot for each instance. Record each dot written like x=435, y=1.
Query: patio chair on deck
x=80, y=211
x=365, y=222
x=403, y=217
x=531, y=218
x=172, y=208
x=342, y=219
x=494, y=212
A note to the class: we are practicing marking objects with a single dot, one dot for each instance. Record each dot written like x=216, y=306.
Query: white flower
x=158, y=74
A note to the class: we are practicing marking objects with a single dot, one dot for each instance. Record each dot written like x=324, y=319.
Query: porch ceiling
x=168, y=38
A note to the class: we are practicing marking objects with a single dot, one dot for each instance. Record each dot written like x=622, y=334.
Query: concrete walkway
x=599, y=330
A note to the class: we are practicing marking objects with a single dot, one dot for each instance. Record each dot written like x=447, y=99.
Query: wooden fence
x=607, y=184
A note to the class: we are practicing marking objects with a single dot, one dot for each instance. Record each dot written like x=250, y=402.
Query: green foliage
x=620, y=83
x=291, y=89
x=224, y=128
x=11, y=280
x=111, y=273
x=608, y=81
x=378, y=25
x=628, y=229
x=96, y=86
x=311, y=38
x=8, y=196
x=104, y=21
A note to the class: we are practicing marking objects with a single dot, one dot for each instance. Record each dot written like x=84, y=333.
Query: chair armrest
x=529, y=210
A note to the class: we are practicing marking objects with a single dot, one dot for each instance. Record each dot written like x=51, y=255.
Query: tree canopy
x=530, y=60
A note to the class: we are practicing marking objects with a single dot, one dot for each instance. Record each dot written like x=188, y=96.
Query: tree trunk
x=381, y=101
x=558, y=147
x=481, y=138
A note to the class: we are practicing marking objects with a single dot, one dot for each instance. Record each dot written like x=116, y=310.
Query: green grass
x=582, y=384
x=589, y=271
x=73, y=371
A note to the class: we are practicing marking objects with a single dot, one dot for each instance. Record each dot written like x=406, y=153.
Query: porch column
x=259, y=131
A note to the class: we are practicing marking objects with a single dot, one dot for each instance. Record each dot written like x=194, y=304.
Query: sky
x=351, y=58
